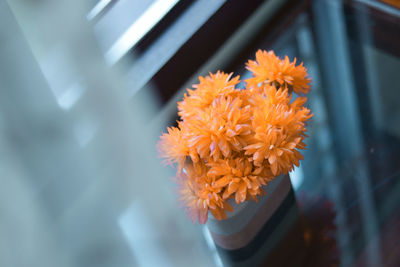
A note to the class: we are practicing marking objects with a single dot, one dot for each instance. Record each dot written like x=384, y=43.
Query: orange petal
x=222, y=182
x=242, y=192
x=272, y=158
x=274, y=168
x=224, y=147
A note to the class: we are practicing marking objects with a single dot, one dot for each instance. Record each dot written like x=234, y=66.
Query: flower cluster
x=231, y=142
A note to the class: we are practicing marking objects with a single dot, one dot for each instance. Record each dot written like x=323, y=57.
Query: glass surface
x=351, y=164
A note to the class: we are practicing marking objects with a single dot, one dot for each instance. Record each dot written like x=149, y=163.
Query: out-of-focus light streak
x=70, y=96
x=97, y=9
x=140, y=234
x=138, y=29
x=212, y=247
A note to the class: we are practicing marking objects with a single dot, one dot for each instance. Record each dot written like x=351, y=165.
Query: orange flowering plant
x=230, y=142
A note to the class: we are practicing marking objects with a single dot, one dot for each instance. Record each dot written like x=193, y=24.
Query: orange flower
x=173, y=147
x=221, y=128
x=270, y=69
x=239, y=176
x=193, y=204
x=279, y=132
x=199, y=195
x=205, y=92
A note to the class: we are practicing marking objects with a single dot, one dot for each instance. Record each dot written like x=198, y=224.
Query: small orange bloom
x=279, y=131
x=205, y=92
x=239, y=176
x=221, y=128
x=199, y=195
x=270, y=69
x=173, y=147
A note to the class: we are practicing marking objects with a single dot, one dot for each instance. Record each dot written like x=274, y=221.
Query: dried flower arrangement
x=231, y=142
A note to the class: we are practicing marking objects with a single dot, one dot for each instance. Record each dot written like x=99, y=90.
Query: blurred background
x=86, y=88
